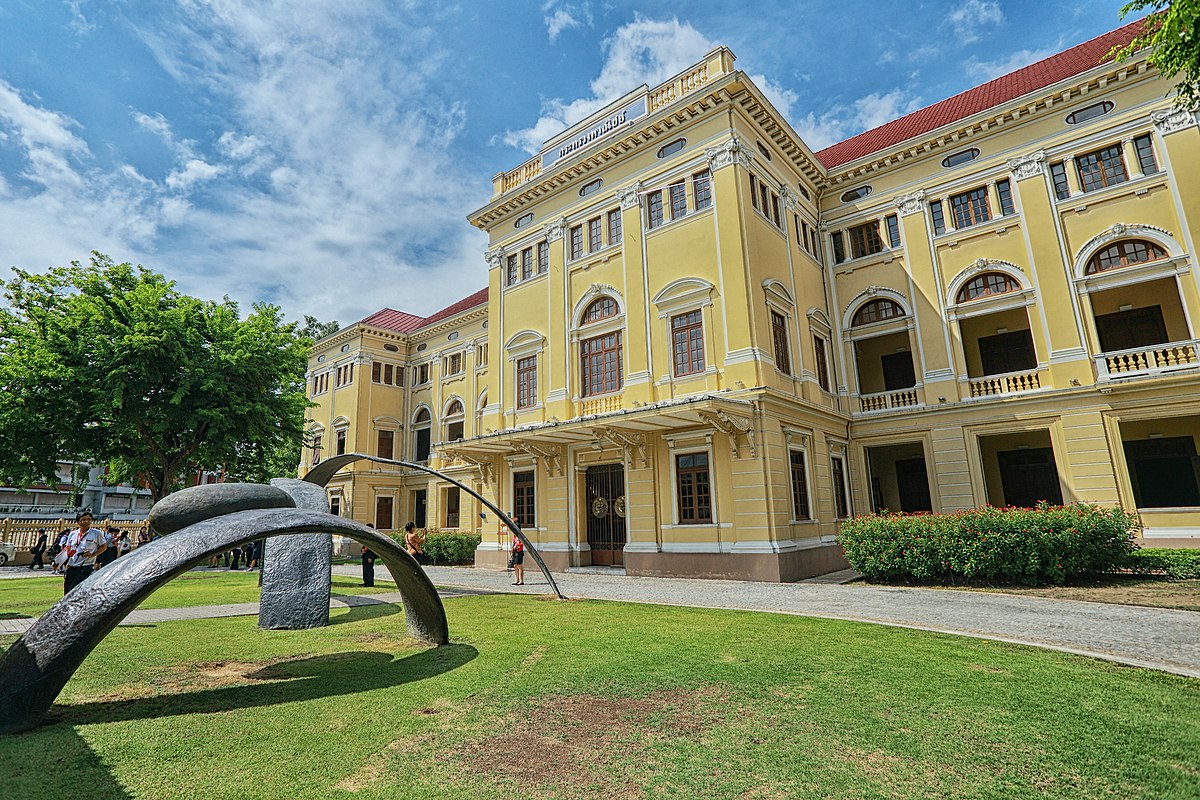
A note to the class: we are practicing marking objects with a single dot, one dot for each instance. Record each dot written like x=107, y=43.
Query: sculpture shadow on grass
x=36, y=667
x=295, y=681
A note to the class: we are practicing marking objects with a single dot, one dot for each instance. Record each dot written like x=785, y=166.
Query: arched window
x=986, y=285
x=421, y=427
x=603, y=308
x=454, y=421
x=455, y=409
x=1124, y=254
x=877, y=311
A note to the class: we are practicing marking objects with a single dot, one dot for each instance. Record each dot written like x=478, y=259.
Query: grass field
x=31, y=597
x=544, y=699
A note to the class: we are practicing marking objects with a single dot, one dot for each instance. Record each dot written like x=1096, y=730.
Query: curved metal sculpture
x=321, y=474
x=37, y=666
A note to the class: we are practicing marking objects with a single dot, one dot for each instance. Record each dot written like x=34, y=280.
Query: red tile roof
x=1047, y=72
x=403, y=322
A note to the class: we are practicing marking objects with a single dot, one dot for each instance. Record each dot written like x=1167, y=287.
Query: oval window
x=421, y=347
x=523, y=220
x=320, y=359
x=962, y=157
x=590, y=187
x=391, y=348
x=804, y=192
x=1089, y=112
x=856, y=194
x=453, y=335
x=762, y=148
x=345, y=348
x=484, y=324
x=670, y=148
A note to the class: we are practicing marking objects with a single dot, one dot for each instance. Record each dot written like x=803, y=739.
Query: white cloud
x=987, y=70
x=193, y=172
x=870, y=111
x=970, y=17
x=644, y=51
x=154, y=123
x=560, y=20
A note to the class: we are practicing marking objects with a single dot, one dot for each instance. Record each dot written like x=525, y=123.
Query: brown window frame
x=693, y=489
x=687, y=343
x=841, y=490
x=779, y=339
x=600, y=309
x=601, y=368
x=339, y=438
x=595, y=234
x=821, y=360
x=971, y=208
x=801, y=507
x=865, y=240
x=655, y=213
x=871, y=312
x=527, y=382
x=576, y=242
x=677, y=194
x=989, y=284
x=388, y=435
x=543, y=257
x=525, y=498
x=614, y=226
x=702, y=189
x=1117, y=255
x=1102, y=168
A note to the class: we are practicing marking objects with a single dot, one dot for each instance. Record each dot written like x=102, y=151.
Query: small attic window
x=671, y=148
x=345, y=348
x=961, y=157
x=1089, y=112
x=762, y=148
x=856, y=194
x=391, y=348
x=590, y=187
x=804, y=192
x=320, y=359
x=453, y=335
x=523, y=220
x=421, y=346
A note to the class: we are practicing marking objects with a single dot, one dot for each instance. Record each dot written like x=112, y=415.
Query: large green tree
x=1173, y=30
x=110, y=363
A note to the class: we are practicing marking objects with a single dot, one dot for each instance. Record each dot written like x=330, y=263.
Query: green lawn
x=590, y=699
x=30, y=597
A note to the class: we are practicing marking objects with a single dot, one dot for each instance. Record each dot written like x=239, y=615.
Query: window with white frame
x=841, y=491
x=799, y=474
x=693, y=486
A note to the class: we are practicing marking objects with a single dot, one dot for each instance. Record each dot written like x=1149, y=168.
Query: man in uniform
x=82, y=546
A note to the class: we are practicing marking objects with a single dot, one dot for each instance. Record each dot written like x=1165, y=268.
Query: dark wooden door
x=912, y=481
x=1029, y=476
x=604, y=494
x=419, y=508
x=1164, y=472
x=1007, y=352
x=898, y=371
x=1127, y=330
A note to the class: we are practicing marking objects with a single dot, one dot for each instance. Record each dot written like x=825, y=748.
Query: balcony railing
x=599, y=405
x=1153, y=360
x=1008, y=383
x=885, y=401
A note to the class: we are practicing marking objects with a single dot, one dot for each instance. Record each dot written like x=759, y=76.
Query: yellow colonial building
x=710, y=344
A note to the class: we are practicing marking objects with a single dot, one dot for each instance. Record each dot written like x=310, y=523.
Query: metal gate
x=604, y=489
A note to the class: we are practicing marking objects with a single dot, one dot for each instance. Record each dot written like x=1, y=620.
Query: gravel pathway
x=1161, y=639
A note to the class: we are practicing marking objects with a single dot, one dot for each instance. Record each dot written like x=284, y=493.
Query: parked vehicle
x=8, y=551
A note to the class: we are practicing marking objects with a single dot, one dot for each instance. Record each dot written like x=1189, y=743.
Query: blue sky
x=323, y=154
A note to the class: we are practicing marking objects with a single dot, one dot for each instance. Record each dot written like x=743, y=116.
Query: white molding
x=1029, y=166
x=730, y=152
x=1070, y=354
x=1174, y=120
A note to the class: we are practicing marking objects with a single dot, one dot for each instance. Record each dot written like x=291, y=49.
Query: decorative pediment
x=731, y=151
x=495, y=257
x=630, y=196
x=911, y=203
x=1029, y=166
x=525, y=341
x=1174, y=120
x=553, y=231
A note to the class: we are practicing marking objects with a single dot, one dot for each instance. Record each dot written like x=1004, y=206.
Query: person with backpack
x=39, y=548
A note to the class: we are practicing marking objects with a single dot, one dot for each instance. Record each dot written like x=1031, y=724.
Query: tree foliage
x=1173, y=30
x=110, y=363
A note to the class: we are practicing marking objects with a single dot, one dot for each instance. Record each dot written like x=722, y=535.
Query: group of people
x=414, y=543
x=233, y=559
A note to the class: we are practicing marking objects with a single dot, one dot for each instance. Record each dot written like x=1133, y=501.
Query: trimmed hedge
x=1177, y=564
x=1022, y=546
x=446, y=548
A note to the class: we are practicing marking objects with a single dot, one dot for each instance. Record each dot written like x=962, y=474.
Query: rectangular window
x=893, y=230
x=383, y=513
x=421, y=444
x=702, y=189
x=600, y=364
x=678, y=199
x=511, y=271
x=970, y=208
x=776, y=217
x=543, y=257
x=391, y=374
x=754, y=191
x=1004, y=189
x=527, y=382
x=377, y=372
x=822, y=362
x=527, y=263
x=614, y=226
x=335, y=505
x=800, y=508
x=453, y=500
x=1062, y=189
x=386, y=445
x=420, y=374
x=694, y=490
x=764, y=198
x=577, y=242
x=1101, y=168
x=655, y=209
x=340, y=439
x=687, y=343
x=841, y=499
x=524, y=500
x=839, y=248
x=779, y=337
x=481, y=355
x=343, y=375
x=939, y=220
x=453, y=364
x=801, y=231
x=595, y=235
x=864, y=240
x=316, y=448
x=1145, y=154
x=454, y=431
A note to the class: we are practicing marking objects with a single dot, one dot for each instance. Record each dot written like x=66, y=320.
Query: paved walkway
x=1147, y=637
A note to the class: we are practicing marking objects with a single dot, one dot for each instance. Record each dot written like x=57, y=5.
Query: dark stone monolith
x=296, y=569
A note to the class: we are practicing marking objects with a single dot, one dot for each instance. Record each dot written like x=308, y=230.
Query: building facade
x=711, y=344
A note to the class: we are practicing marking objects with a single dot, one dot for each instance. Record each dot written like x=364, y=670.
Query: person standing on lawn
x=517, y=560
x=414, y=542
x=368, y=566
x=83, y=546
x=39, y=547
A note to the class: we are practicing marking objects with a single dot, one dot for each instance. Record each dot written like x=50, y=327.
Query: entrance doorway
x=1020, y=470
x=604, y=496
x=419, y=505
x=899, y=478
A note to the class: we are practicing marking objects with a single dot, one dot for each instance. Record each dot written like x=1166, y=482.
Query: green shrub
x=451, y=549
x=1023, y=546
x=1177, y=564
